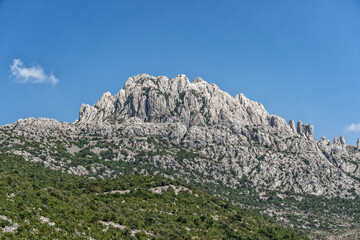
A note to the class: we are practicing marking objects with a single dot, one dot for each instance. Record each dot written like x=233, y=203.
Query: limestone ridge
x=163, y=100
x=233, y=138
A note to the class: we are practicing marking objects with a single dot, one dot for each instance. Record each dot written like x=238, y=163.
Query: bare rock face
x=336, y=141
x=292, y=125
x=102, y=109
x=342, y=141
x=236, y=136
x=309, y=131
x=305, y=130
x=300, y=128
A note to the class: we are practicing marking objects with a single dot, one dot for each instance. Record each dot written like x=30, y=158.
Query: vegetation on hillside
x=39, y=203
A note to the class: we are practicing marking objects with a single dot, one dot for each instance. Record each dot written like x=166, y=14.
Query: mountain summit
x=191, y=105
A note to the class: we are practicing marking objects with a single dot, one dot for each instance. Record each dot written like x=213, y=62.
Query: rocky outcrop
x=306, y=130
x=336, y=141
x=292, y=125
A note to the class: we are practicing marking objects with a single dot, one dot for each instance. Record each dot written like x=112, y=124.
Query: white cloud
x=33, y=74
x=354, y=127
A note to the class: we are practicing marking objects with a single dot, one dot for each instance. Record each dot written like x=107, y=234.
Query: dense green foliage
x=78, y=208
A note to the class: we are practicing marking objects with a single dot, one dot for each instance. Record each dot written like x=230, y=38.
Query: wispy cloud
x=354, y=127
x=33, y=74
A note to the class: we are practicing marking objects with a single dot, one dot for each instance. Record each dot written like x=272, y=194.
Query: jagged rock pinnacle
x=292, y=125
x=342, y=141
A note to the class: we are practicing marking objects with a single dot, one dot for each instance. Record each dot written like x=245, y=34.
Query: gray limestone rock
x=300, y=128
x=309, y=131
x=342, y=141
x=292, y=125
x=336, y=141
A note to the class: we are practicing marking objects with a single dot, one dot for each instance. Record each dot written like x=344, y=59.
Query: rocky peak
x=199, y=80
x=140, y=79
x=159, y=99
x=197, y=104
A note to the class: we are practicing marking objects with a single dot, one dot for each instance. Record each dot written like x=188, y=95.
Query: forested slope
x=39, y=203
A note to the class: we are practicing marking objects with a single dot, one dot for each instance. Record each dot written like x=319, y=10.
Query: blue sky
x=300, y=59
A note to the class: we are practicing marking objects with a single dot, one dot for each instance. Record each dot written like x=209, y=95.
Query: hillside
x=38, y=203
x=230, y=147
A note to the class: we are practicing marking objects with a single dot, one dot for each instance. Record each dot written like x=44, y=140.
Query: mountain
x=228, y=146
